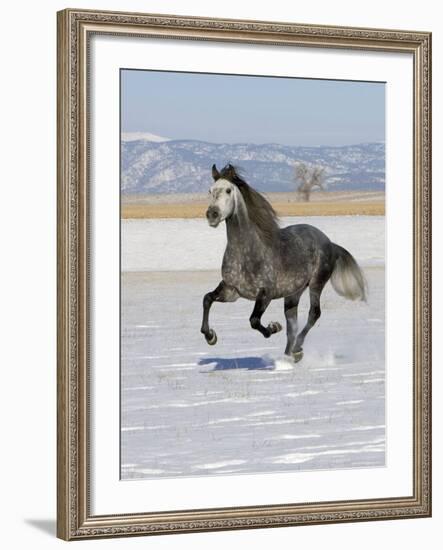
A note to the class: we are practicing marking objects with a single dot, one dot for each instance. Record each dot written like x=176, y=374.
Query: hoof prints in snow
x=241, y=407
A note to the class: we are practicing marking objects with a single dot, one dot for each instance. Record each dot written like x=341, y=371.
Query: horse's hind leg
x=313, y=317
x=262, y=302
x=223, y=293
x=291, y=312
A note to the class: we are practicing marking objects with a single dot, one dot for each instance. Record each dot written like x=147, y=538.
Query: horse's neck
x=242, y=233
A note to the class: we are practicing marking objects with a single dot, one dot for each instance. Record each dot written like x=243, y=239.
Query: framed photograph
x=243, y=274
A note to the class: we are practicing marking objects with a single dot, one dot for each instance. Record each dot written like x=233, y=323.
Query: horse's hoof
x=211, y=337
x=297, y=355
x=274, y=327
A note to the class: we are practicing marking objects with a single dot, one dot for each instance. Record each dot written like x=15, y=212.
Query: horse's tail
x=347, y=278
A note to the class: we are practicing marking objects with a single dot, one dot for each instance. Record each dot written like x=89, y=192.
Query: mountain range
x=153, y=164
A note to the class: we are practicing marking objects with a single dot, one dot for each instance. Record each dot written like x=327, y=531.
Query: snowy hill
x=142, y=136
x=184, y=166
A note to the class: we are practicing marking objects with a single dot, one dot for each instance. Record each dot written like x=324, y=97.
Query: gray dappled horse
x=263, y=262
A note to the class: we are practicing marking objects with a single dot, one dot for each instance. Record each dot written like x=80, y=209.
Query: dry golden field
x=286, y=204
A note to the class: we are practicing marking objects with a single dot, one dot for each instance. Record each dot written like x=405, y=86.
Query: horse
x=264, y=262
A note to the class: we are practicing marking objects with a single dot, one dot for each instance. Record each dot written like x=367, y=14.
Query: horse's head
x=222, y=203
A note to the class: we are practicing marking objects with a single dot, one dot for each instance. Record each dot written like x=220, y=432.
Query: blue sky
x=234, y=109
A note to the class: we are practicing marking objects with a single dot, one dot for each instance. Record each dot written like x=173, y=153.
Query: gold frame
x=75, y=27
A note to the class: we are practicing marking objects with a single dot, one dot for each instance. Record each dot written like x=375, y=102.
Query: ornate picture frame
x=76, y=519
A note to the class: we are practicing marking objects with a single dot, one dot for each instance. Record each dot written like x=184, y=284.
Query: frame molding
x=75, y=27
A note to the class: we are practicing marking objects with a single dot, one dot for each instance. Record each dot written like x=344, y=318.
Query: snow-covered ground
x=239, y=407
x=182, y=245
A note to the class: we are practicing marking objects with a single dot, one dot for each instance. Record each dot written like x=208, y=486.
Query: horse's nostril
x=212, y=213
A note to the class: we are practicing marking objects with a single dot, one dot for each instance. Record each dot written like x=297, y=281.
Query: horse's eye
x=228, y=191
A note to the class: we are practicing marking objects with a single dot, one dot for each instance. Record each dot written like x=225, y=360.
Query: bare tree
x=308, y=178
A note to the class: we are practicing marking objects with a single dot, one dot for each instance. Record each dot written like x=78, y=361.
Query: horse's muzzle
x=213, y=215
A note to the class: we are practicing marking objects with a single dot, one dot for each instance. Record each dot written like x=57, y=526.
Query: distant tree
x=308, y=178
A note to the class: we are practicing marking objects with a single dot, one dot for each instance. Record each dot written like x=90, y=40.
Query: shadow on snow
x=229, y=363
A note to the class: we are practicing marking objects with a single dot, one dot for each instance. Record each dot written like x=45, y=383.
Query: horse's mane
x=260, y=210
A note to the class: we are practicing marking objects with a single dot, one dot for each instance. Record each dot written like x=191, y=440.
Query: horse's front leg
x=261, y=303
x=223, y=293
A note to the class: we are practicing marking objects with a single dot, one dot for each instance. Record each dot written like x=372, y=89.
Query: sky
x=252, y=109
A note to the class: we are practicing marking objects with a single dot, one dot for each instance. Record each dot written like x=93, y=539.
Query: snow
x=183, y=165
x=189, y=409
x=182, y=245
x=142, y=136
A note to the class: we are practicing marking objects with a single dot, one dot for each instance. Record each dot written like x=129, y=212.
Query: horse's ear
x=215, y=172
x=230, y=172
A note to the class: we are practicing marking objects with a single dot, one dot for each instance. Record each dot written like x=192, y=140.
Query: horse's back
x=305, y=236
